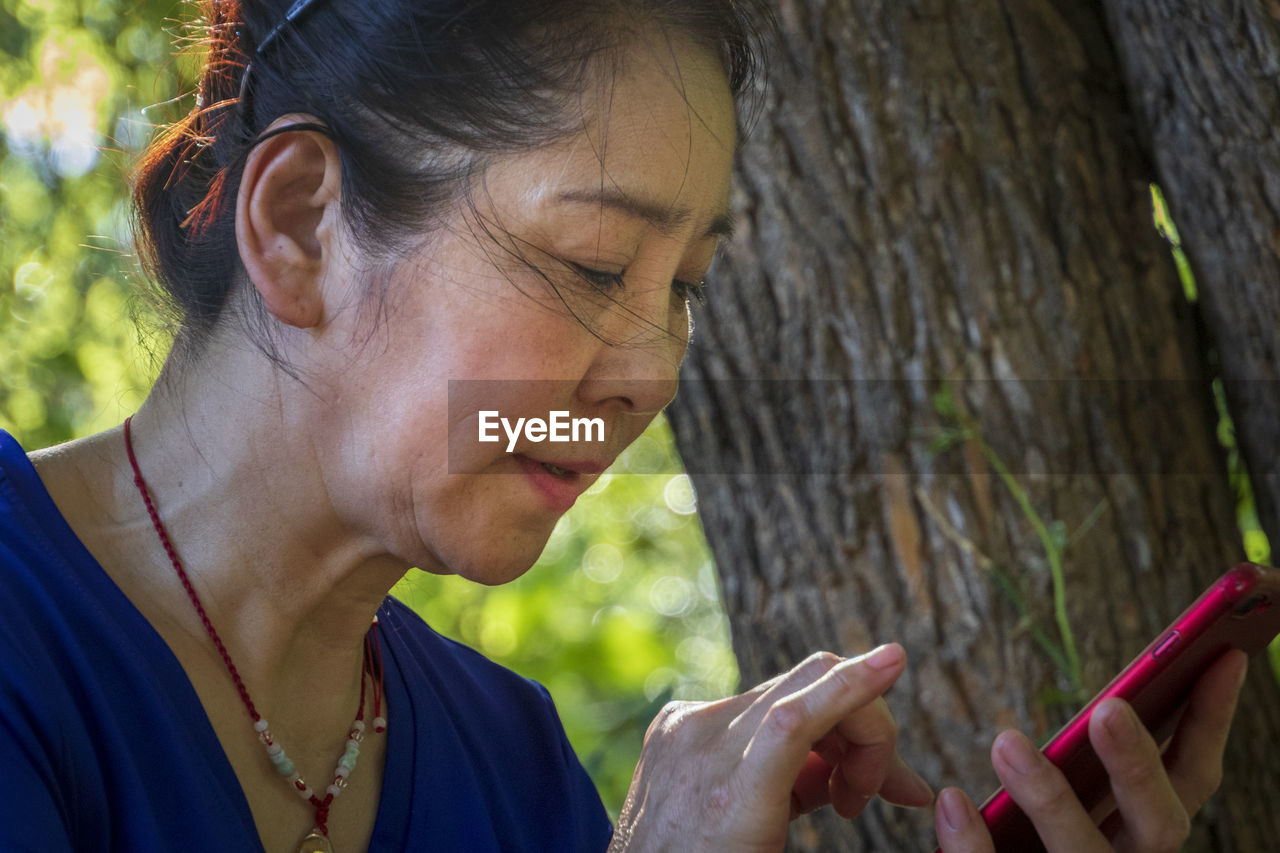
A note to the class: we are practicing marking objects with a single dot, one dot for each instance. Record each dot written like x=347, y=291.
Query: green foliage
x=69, y=358
x=1160, y=215
x=621, y=612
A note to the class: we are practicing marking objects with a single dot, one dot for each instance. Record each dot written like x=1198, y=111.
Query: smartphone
x=1240, y=610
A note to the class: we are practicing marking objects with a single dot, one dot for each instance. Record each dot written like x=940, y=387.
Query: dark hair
x=415, y=93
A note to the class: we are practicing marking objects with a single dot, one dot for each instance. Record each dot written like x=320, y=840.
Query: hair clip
x=295, y=11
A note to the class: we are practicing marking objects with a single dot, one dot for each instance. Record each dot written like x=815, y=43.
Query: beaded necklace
x=317, y=840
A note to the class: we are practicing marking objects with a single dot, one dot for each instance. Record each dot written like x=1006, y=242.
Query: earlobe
x=285, y=211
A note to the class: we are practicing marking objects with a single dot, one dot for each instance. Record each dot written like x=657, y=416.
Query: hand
x=1155, y=796
x=731, y=774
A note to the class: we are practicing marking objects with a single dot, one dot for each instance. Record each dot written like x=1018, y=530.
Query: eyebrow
x=665, y=218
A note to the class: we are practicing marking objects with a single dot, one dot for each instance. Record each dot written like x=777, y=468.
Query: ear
x=286, y=216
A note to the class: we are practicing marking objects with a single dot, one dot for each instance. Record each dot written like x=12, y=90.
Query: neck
x=290, y=588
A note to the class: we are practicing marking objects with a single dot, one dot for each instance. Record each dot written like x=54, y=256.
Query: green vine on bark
x=958, y=428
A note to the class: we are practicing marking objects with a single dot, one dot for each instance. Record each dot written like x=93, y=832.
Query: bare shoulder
x=90, y=482
x=74, y=471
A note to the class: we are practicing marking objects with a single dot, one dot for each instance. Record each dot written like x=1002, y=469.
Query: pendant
x=315, y=842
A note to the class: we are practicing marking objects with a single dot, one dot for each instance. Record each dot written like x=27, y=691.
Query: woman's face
x=511, y=309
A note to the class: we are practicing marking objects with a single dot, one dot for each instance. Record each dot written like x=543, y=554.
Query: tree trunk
x=1203, y=78
x=948, y=334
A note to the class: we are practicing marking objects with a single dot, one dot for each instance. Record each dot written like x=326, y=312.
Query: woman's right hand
x=731, y=774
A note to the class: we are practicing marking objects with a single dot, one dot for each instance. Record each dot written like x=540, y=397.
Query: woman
x=381, y=220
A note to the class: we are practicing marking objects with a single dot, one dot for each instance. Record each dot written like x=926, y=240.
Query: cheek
x=485, y=526
x=482, y=412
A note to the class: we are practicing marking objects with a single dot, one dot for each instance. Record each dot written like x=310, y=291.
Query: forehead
x=657, y=141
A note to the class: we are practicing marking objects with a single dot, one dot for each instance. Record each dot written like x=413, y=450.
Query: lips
x=583, y=466
x=560, y=483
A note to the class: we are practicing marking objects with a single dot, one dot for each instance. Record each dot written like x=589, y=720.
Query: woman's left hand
x=1155, y=795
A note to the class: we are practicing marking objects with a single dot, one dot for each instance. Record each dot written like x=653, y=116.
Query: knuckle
x=1043, y=791
x=668, y=721
x=847, y=677
x=672, y=710
x=785, y=719
x=871, y=709
x=818, y=662
x=1137, y=768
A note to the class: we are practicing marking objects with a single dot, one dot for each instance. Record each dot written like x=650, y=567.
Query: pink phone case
x=1240, y=610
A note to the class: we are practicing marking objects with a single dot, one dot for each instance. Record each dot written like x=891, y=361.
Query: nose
x=637, y=365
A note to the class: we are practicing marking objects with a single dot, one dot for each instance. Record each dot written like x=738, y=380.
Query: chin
x=495, y=574
x=495, y=562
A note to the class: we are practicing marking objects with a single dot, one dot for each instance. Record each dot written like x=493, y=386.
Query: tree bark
x=1203, y=77
x=945, y=268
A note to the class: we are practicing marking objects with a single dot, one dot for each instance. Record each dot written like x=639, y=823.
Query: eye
x=695, y=290
x=599, y=278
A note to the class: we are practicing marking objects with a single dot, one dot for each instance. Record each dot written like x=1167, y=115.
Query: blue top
x=104, y=743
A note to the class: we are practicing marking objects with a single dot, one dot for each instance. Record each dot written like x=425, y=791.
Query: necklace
x=317, y=840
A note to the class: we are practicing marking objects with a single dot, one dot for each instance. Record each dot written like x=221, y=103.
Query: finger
x=856, y=780
x=904, y=786
x=1042, y=792
x=1194, y=758
x=812, y=788
x=871, y=736
x=742, y=703
x=780, y=746
x=831, y=747
x=959, y=827
x=852, y=783
x=765, y=695
x=745, y=706
x=1153, y=816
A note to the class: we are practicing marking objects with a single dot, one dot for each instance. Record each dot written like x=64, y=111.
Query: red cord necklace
x=317, y=840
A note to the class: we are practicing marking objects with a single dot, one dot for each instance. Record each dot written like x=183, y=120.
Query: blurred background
x=621, y=613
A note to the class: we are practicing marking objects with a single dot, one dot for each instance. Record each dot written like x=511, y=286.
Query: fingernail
x=1018, y=752
x=955, y=812
x=1120, y=722
x=884, y=657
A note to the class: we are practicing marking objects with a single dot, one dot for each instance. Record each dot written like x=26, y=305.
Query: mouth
x=557, y=471
x=574, y=467
x=558, y=484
